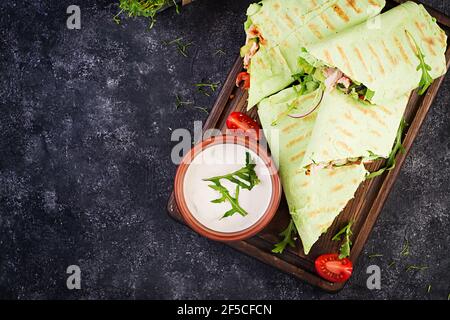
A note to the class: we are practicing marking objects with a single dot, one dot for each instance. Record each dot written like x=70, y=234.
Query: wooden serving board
x=364, y=209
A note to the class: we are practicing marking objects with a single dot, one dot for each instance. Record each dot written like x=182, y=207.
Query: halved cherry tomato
x=243, y=76
x=242, y=122
x=333, y=269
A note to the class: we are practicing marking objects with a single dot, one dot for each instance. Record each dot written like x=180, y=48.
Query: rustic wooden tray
x=364, y=209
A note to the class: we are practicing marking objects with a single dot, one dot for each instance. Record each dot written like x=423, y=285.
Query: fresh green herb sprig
x=226, y=196
x=346, y=232
x=426, y=80
x=398, y=147
x=219, y=52
x=288, y=235
x=293, y=106
x=179, y=103
x=405, y=249
x=143, y=8
x=181, y=46
x=414, y=267
x=245, y=178
x=204, y=86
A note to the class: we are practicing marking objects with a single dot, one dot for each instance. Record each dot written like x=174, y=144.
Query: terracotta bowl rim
x=263, y=221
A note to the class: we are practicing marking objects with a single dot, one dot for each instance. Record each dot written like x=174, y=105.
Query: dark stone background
x=85, y=170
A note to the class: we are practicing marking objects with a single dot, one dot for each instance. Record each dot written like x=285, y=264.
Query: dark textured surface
x=85, y=171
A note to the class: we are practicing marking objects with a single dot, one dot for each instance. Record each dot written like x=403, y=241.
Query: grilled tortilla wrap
x=285, y=26
x=315, y=200
x=346, y=128
x=381, y=53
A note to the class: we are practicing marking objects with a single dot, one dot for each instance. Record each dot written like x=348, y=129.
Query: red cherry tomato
x=333, y=269
x=243, y=76
x=242, y=122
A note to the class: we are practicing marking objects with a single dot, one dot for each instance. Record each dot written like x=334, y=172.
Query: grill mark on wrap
x=344, y=146
x=361, y=58
x=376, y=133
x=348, y=115
x=352, y=4
x=346, y=62
x=374, y=116
x=341, y=13
x=319, y=211
x=297, y=140
x=328, y=56
x=377, y=57
x=290, y=126
x=388, y=53
x=290, y=23
x=315, y=30
x=374, y=3
x=345, y=132
x=337, y=188
x=442, y=37
x=428, y=40
x=385, y=110
x=403, y=53
x=304, y=184
x=297, y=156
x=332, y=172
x=327, y=21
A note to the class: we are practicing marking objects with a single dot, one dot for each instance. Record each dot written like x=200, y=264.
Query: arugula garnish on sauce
x=398, y=147
x=426, y=79
x=346, y=232
x=288, y=238
x=245, y=178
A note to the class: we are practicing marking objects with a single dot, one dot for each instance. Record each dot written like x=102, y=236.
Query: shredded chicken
x=311, y=169
x=252, y=33
x=332, y=76
x=345, y=81
x=253, y=49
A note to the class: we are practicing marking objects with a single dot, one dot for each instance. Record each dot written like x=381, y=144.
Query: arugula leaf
x=305, y=88
x=288, y=239
x=226, y=196
x=373, y=156
x=426, y=79
x=245, y=178
x=398, y=147
x=346, y=232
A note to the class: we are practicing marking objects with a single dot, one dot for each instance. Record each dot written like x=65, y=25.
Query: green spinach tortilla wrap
x=277, y=29
x=348, y=130
x=314, y=200
x=383, y=58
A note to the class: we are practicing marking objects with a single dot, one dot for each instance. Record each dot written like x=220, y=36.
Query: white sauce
x=219, y=160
